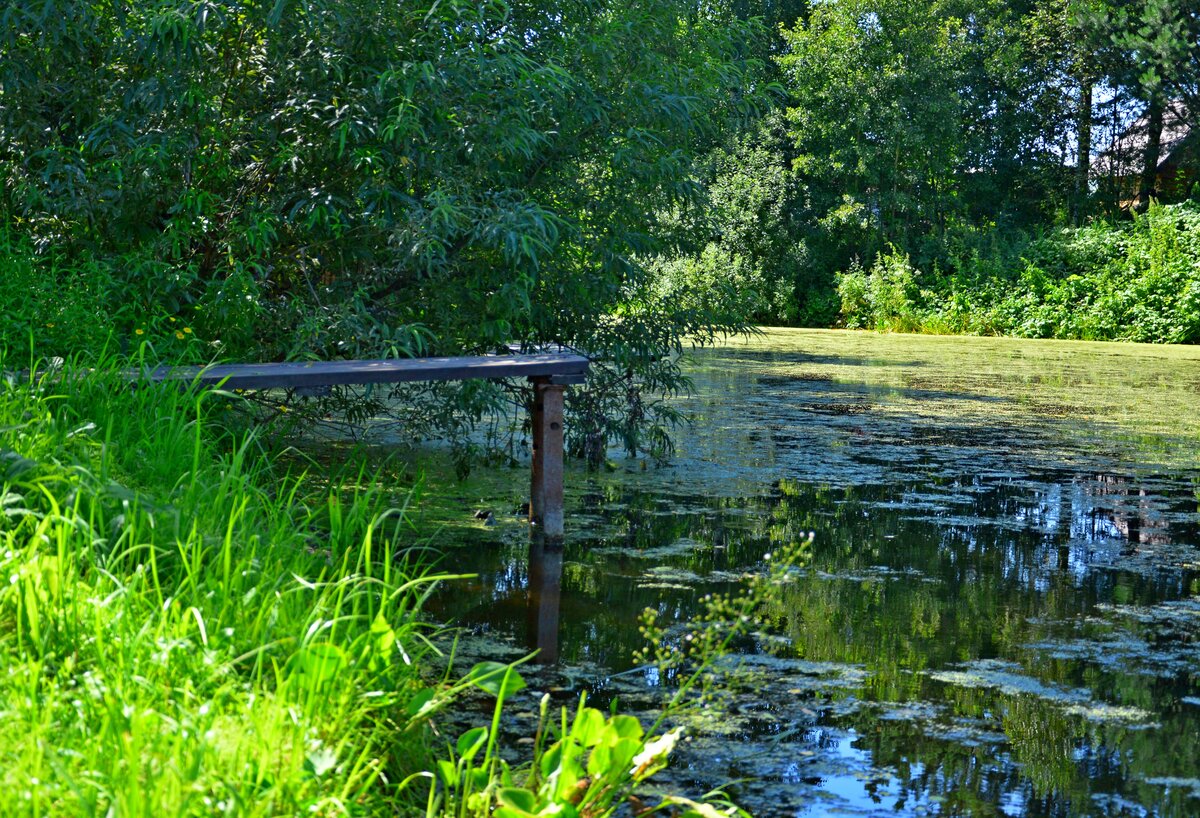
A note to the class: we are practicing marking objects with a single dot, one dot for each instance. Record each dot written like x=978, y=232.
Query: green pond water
x=1001, y=614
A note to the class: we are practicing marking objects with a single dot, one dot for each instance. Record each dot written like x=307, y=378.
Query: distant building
x=1119, y=167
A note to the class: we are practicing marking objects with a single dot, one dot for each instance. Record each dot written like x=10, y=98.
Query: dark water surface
x=1001, y=614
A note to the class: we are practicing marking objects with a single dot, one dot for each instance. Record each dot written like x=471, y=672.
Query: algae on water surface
x=997, y=617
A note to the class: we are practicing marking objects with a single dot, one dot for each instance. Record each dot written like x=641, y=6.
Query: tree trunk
x=1083, y=161
x=1154, y=127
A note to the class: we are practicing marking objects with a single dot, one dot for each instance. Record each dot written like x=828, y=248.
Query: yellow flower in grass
x=139, y=331
x=180, y=335
x=188, y=330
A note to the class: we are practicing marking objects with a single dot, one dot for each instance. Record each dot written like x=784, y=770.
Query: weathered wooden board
x=549, y=371
x=561, y=368
x=546, y=490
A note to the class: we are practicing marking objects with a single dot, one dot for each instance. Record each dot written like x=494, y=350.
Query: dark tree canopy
x=354, y=178
x=357, y=177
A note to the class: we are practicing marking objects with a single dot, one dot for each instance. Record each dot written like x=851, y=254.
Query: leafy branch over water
x=687, y=651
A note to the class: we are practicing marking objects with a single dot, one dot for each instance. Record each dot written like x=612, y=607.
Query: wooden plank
x=552, y=465
x=537, y=486
x=548, y=371
x=291, y=375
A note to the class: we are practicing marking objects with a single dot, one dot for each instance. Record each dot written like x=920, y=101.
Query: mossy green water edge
x=999, y=614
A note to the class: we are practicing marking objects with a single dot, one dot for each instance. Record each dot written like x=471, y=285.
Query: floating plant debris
x=1001, y=613
x=1006, y=678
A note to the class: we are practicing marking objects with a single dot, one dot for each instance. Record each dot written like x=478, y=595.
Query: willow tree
x=364, y=177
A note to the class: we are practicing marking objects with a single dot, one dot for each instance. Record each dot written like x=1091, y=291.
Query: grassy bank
x=185, y=632
x=1133, y=281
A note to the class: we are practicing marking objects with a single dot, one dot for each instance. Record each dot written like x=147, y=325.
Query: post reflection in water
x=544, y=594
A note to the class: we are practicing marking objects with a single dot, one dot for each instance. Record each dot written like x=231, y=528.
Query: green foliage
x=750, y=254
x=77, y=309
x=905, y=125
x=718, y=280
x=874, y=110
x=188, y=632
x=934, y=128
x=1134, y=282
x=686, y=652
x=184, y=632
x=882, y=298
x=583, y=764
x=593, y=764
x=56, y=311
x=1147, y=47
x=365, y=178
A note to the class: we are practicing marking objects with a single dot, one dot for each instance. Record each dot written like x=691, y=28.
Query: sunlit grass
x=184, y=632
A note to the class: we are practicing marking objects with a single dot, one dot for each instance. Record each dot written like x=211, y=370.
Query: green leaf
x=599, y=763
x=382, y=631
x=470, y=743
x=319, y=662
x=276, y=13
x=13, y=465
x=499, y=680
x=569, y=774
x=420, y=702
x=382, y=644
x=623, y=752
x=518, y=799
x=551, y=759
x=448, y=772
x=627, y=727
x=589, y=727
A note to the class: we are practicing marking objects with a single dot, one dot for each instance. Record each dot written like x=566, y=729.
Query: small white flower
x=656, y=749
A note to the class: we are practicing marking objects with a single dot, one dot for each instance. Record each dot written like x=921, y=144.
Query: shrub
x=1134, y=281
x=884, y=298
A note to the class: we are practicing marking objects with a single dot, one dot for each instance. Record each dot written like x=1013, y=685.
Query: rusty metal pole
x=546, y=489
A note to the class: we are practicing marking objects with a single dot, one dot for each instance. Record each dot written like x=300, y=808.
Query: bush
x=885, y=298
x=719, y=281
x=363, y=178
x=89, y=308
x=1134, y=281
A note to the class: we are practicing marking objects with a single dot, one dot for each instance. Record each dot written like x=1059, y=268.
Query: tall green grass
x=185, y=632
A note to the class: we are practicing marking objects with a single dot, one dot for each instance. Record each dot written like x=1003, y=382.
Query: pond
x=1001, y=612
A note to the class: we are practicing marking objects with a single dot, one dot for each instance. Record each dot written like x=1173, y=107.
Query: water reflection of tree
x=913, y=578
x=981, y=590
x=900, y=592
